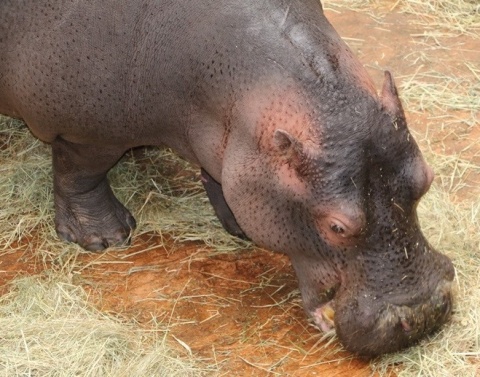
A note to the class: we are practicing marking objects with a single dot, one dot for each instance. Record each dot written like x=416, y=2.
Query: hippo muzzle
x=370, y=327
x=370, y=323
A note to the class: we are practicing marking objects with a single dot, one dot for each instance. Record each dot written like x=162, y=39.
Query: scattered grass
x=49, y=328
x=25, y=185
x=438, y=92
x=455, y=17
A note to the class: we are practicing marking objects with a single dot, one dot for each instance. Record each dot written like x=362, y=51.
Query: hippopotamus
x=299, y=152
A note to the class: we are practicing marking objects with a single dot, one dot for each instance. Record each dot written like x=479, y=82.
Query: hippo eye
x=337, y=229
x=342, y=227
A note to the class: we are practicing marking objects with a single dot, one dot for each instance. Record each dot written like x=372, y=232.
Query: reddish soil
x=226, y=306
x=240, y=309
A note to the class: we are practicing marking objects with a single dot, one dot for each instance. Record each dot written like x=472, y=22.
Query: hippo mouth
x=369, y=326
x=324, y=316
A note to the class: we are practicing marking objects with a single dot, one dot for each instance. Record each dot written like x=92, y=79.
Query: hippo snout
x=369, y=326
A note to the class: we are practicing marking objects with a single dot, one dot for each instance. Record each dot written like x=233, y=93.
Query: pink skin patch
x=324, y=317
x=271, y=107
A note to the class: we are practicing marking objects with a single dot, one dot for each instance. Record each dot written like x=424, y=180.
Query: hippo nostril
x=405, y=325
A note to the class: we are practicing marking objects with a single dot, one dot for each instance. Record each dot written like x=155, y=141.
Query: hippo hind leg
x=220, y=206
x=86, y=210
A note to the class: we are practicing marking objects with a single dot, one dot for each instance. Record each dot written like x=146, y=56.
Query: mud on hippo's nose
x=370, y=326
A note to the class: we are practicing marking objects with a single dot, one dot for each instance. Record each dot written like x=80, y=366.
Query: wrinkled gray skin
x=299, y=152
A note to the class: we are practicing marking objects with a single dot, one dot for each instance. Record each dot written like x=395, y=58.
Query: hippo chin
x=298, y=151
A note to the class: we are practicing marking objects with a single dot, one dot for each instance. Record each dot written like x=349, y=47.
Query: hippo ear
x=288, y=146
x=390, y=100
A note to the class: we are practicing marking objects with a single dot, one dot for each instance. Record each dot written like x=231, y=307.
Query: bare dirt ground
x=242, y=310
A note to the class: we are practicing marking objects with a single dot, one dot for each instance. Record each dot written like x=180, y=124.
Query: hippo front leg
x=86, y=210
x=220, y=206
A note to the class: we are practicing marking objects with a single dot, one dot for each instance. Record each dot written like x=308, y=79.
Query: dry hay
x=439, y=92
x=436, y=17
x=48, y=328
x=456, y=16
x=24, y=185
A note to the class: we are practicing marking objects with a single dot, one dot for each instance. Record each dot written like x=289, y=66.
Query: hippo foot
x=95, y=220
x=323, y=317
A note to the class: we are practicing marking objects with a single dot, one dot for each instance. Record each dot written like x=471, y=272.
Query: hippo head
x=336, y=187
x=393, y=286
x=317, y=164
